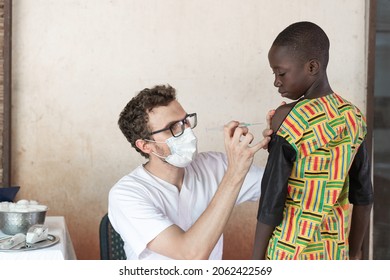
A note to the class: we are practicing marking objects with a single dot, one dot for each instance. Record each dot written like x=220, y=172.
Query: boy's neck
x=319, y=88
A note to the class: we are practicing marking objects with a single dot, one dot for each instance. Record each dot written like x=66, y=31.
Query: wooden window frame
x=5, y=92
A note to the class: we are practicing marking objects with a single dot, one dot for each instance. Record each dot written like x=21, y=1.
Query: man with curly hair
x=177, y=204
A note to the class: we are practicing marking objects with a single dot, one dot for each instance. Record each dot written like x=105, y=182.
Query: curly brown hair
x=133, y=120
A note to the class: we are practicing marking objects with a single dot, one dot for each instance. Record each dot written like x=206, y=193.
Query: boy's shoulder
x=280, y=114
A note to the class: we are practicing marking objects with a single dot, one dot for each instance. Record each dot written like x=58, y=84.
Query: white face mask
x=183, y=148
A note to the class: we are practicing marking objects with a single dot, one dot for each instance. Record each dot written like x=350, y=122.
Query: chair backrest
x=111, y=243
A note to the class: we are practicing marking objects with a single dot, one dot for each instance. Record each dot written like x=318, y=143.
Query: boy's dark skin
x=296, y=79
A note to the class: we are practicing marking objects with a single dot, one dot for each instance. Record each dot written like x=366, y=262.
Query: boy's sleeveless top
x=325, y=134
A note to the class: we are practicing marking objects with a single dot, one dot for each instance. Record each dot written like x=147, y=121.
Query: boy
x=318, y=161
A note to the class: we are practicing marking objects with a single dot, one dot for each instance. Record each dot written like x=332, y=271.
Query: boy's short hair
x=306, y=40
x=133, y=120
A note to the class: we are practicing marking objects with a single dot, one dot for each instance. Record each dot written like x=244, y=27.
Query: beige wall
x=77, y=63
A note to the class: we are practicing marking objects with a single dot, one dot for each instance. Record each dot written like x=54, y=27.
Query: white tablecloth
x=63, y=250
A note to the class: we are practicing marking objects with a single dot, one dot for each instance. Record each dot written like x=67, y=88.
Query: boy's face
x=292, y=77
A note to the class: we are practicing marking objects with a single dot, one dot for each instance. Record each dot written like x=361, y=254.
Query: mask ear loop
x=157, y=155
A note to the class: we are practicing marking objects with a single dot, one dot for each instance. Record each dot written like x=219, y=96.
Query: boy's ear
x=143, y=146
x=314, y=66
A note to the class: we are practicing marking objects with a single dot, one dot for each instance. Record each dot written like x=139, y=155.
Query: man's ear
x=143, y=146
x=314, y=66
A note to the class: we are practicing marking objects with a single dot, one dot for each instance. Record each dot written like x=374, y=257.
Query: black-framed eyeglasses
x=177, y=128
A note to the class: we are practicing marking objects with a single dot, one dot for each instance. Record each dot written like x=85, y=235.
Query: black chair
x=111, y=243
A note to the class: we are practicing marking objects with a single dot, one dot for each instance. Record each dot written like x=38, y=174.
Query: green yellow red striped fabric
x=325, y=133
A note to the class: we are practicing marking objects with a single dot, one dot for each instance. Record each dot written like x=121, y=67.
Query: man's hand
x=239, y=148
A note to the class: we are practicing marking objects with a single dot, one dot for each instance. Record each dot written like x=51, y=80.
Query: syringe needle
x=216, y=128
x=249, y=124
x=241, y=124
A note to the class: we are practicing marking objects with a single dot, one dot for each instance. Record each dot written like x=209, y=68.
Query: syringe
x=241, y=124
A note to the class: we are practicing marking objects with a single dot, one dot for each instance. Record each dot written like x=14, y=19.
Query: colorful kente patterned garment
x=325, y=134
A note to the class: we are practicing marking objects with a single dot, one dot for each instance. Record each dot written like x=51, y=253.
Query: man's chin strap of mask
x=183, y=148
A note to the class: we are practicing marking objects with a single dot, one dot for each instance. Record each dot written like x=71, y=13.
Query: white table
x=63, y=250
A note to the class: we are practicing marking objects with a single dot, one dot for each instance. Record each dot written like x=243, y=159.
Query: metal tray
x=50, y=241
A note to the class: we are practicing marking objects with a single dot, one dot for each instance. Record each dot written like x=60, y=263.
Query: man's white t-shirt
x=141, y=205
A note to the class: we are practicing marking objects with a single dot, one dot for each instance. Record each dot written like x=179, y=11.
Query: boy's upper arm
x=280, y=114
x=275, y=181
x=360, y=185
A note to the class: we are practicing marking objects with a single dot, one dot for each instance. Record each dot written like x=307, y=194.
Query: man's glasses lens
x=178, y=127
